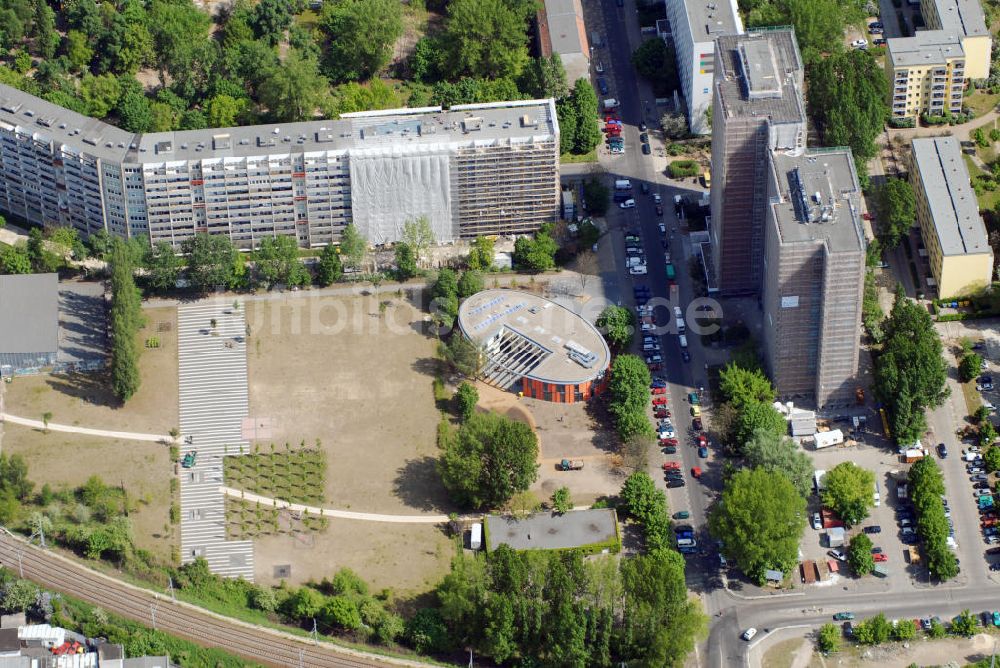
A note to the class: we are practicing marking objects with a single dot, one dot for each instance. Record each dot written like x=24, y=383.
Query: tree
x=277, y=261
x=759, y=522
x=211, y=260
x=490, y=458
x=224, y=110
x=969, y=367
x=353, y=96
x=419, y=235
x=544, y=78
x=779, y=454
x=987, y=434
x=444, y=298
x=562, y=502
x=617, y=323
x=654, y=60
x=674, y=125
x=629, y=396
x=965, y=624
x=741, y=386
x=466, y=398
x=754, y=417
x=538, y=254
x=46, y=37
x=926, y=490
x=485, y=38
x=569, y=119
x=905, y=629
x=828, y=639
x=126, y=318
x=163, y=267
x=353, y=247
x=463, y=355
x=329, y=269
x=897, y=210
x=99, y=93
x=873, y=631
x=859, y=555
x=362, y=34
x=135, y=112
x=910, y=372
x=469, y=284
x=271, y=18
x=849, y=491
x=818, y=29
x=406, y=261
x=481, y=254
x=847, y=98
x=597, y=196
x=181, y=45
x=937, y=629
x=991, y=458
x=293, y=90
x=15, y=259
x=304, y=603
x=587, y=134
x=341, y=612
x=18, y=595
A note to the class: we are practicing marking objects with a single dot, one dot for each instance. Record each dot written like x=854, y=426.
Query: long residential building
x=758, y=109
x=694, y=27
x=954, y=234
x=814, y=276
x=471, y=170
x=930, y=70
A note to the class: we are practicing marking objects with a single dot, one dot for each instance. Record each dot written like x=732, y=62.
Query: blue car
x=703, y=452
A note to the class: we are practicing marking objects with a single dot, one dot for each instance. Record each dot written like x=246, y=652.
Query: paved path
x=960, y=131
x=329, y=512
x=214, y=400
x=52, y=426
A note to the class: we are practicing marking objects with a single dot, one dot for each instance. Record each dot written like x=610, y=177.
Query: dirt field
x=86, y=401
x=564, y=431
x=67, y=460
x=410, y=559
x=799, y=653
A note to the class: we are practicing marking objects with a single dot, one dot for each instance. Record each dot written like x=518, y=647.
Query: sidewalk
x=125, y=435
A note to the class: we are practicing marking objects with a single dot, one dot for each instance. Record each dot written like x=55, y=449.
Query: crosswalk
x=213, y=402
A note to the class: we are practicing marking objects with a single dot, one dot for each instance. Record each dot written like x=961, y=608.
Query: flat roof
x=29, y=313
x=567, y=33
x=548, y=531
x=950, y=198
x=926, y=47
x=964, y=16
x=820, y=199
x=761, y=75
x=378, y=130
x=709, y=19
x=569, y=349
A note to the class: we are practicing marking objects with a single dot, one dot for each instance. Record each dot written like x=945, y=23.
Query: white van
x=877, y=496
x=684, y=341
x=628, y=204
x=686, y=542
x=623, y=184
x=677, y=309
x=680, y=326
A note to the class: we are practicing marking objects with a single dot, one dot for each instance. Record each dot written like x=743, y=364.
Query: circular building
x=535, y=346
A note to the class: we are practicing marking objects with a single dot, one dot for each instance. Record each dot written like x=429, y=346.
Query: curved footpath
x=52, y=426
x=254, y=643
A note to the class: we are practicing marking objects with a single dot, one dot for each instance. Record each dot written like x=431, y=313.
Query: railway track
x=255, y=643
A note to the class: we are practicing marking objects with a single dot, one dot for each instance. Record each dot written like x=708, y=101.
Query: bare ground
x=65, y=461
x=799, y=653
x=85, y=399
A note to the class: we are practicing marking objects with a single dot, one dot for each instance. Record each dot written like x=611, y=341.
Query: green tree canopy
x=353, y=247
x=485, y=38
x=828, y=640
x=628, y=390
x=469, y=284
x=969, y=367
x=897, y=210
x=211, y=260
x=277, y=261
x=759, y=522
x=328, y=269
x=481, y=254
x=618, y=325
x=293, y=90
x=163, y=267
x=406, y=261
x=361, y=36
x=849, y=491
x=655, y=61
x=859, y=555
x=779, y=454
x=587, y=133
x=741, y=386
x=488, y=460
x=754, y=417
x=819, y=27
x=466, y=398
x=538, y=254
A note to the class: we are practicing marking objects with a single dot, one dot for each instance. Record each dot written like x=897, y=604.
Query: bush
x=829, y=638
x=679, y=169
x=466, y=399
x=426, y=632
x=969, y=367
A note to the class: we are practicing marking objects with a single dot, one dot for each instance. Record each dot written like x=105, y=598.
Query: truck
x=571, y=465
x=902, y=491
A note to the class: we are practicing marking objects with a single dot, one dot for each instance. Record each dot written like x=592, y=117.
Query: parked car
x=984, y=387
x=645, y=149
x=628, y=204
x=682, y=515
x=879, y=41
x=703, y=452
x=671, y=484
x=859, y=43
x=974, y=469
x=942, y=450
x=696, y=424
x=658, y=382
x=817, y=521
x=670, y=449
x=880, y=558
x=686, y=356
x=876, y=550
x=873, y=529
x=659, y=210
x=749, y=633
x=839, y=555
x=995, y=567
x=841, y=616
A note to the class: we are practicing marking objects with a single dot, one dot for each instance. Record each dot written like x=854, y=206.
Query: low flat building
x=561, y=31
x=549, y=531
x=958, y=248
x=29, y=322
x=814, y=276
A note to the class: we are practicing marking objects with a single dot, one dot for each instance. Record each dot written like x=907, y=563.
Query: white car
x=860, y=44
x=749, y=633
x=628, y=204
x=663, y=228
x=817, y=522
x=599, y=67
x=667, y=433
x=638, y=270
x=656, y=198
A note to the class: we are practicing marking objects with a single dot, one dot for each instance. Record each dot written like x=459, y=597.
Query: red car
x=659, y=390
x=671, y=465
x=669, y=442
x=655, y=366
x=661, y=413
x=702, y=442
x=696, y=424
x=867, y=215
x=696, y=472
x=659, y=401
x=880, y=557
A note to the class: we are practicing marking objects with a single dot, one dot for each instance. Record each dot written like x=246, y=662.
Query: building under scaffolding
x=535, y=346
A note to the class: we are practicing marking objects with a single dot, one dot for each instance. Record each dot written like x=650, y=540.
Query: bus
x=671, y=274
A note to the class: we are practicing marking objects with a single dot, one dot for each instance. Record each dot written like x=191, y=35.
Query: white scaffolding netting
x=389, y=189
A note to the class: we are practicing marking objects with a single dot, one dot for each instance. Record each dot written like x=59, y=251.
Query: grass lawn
x=569, y=158
x=973, y=400
x=982, y=103
x=989, y=199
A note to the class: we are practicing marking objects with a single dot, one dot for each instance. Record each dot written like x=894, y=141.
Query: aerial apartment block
x=757, y=109
x=471, y=170
x=694, y=26
x=814, y=276
x=954, y=234
x=930, y=70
